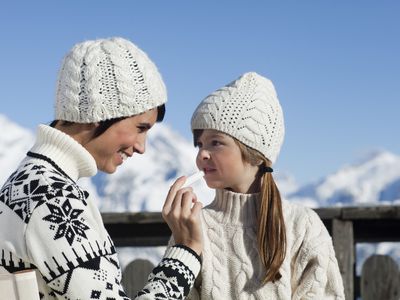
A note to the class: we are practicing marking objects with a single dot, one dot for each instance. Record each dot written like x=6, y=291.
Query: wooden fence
x=380, y=276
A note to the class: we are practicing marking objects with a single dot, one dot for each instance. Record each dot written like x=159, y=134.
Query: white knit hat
x=247, y=109
x=105, y=79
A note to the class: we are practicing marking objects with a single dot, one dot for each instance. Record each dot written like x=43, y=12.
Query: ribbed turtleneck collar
x=235, y=208
x=65, y=152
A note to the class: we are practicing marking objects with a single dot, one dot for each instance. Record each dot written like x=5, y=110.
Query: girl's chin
x=214, y=185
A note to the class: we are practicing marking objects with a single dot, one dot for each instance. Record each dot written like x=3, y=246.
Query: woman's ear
x=86, y=127
x=90, y=128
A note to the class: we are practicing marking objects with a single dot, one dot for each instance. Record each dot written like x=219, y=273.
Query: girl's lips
x=208, y=170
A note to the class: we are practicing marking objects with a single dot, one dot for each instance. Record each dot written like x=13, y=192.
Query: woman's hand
x=181, y=211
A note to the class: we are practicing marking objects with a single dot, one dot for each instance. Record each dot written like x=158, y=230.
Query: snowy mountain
x=15, y=141
x=143, y=181
x=375, y=179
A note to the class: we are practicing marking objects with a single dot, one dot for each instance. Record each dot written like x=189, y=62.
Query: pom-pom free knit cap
x=107, y=78
x=247, y=109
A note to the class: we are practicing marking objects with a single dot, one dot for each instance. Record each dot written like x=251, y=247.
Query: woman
x=256, y=246
x=109, y=95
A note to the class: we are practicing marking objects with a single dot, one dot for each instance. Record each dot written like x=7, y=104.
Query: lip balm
x=193, y=178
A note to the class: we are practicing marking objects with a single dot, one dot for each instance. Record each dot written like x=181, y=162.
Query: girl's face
x=221, y=160
x=121, y=140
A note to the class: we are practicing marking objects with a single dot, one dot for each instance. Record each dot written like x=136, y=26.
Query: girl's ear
x=260, y=163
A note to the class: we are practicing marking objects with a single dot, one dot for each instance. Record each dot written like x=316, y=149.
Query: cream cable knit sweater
x=232, y=268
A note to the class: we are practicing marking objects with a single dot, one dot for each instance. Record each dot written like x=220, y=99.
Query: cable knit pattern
x=247, y=109
x=105, y=79
x=218, y=262
x=232, y=268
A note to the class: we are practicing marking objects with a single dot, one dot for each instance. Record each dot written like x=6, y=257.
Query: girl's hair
x=104, y=125
x=271, y=233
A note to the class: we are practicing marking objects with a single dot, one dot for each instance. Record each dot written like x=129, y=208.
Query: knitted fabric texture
x=232, y=267
x=247, y=109
x=51, y=224
x=105, y=79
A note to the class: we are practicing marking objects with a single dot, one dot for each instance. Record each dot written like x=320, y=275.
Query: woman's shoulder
x=38, y=181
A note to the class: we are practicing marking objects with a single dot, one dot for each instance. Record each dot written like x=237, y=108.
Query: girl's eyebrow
x=216, y=135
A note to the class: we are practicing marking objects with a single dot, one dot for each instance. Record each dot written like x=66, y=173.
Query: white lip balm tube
x=193, y=178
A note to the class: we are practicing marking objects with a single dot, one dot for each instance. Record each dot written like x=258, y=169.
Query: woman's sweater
x=49, y=223
x=232, y=268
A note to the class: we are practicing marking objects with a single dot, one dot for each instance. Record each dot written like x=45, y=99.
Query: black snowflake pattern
x=23, y=191
x=70, y=225
x=95, y=294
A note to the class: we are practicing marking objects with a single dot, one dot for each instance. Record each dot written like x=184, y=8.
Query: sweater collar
x=65, y=152
x=235, y=208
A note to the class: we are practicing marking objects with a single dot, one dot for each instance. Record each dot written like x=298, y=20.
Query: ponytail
x=271, y=233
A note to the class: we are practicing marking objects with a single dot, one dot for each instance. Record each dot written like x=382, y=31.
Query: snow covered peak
x=143, y=181
x=15, y=141
x=360, y=183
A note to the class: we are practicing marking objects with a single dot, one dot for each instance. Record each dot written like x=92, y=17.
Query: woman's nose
x=140, y=146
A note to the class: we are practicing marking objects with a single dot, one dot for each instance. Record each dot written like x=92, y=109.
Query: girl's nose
x=203, y=154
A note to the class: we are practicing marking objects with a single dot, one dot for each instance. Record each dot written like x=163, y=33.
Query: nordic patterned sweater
x=232, y=268
x=49, y=223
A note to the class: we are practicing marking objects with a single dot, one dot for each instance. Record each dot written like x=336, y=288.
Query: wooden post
x=380, y=278
x=343, y=242
x=135, y=276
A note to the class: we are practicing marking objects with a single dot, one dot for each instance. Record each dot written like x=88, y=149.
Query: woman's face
x=221, y=160
x=121, y=140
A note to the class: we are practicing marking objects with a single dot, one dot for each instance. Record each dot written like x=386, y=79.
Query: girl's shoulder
x=296, y=211
x=302, y=221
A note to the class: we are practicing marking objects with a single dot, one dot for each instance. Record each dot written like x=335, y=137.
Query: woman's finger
x=196, y=208
x=187, y=201
x=176, y=204
x=172, y=193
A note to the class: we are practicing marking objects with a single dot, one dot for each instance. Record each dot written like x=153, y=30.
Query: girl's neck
x=235, y=208
x=252, y=188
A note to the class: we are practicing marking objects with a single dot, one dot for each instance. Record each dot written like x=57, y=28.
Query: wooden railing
x=347, y=225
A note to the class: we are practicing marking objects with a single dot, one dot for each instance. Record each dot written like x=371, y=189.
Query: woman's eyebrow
x=145, y=125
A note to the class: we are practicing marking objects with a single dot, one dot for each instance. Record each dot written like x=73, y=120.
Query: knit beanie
x=105, y=79
x=247, y=109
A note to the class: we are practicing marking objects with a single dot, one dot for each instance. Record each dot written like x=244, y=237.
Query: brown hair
x=271, y=232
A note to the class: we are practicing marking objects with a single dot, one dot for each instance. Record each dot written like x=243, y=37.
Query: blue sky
x=335, y=64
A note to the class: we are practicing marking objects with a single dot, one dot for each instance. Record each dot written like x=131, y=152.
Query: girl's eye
x=215, y=143
x=199, y=145
x=141, y=129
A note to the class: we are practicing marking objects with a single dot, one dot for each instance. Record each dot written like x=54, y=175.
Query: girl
x=256, y=246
